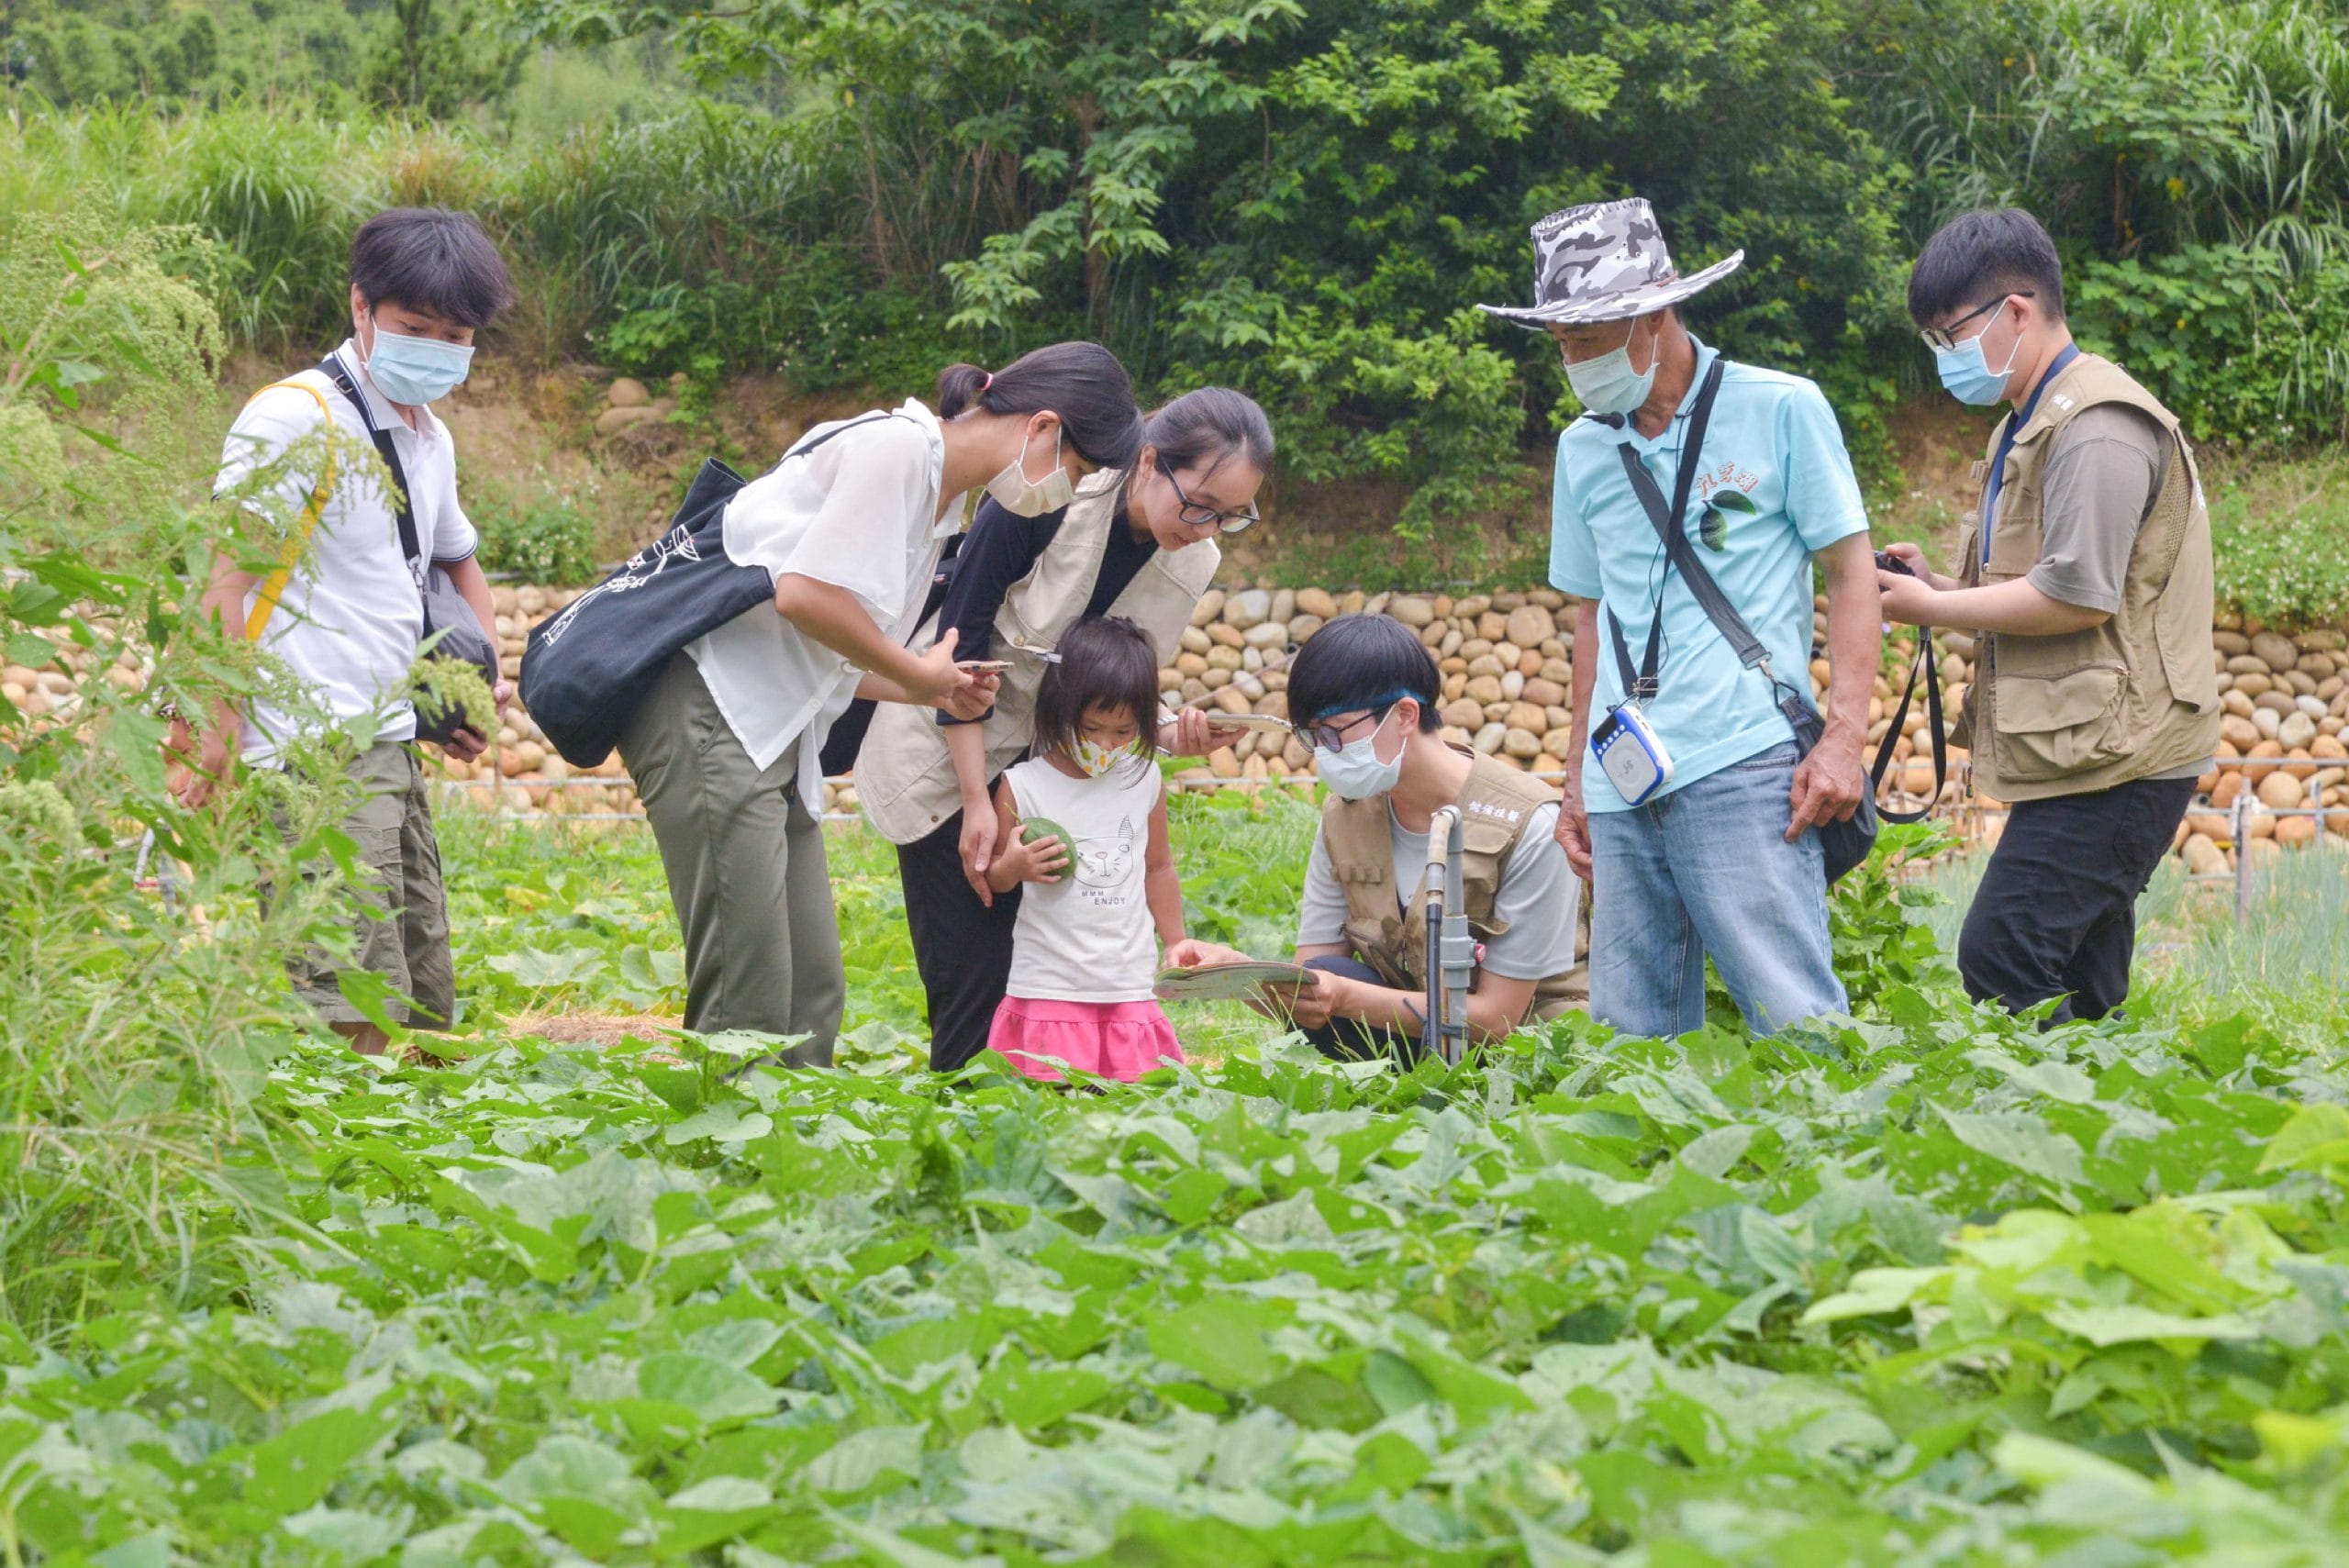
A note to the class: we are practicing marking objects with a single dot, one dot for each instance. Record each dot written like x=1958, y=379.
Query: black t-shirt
x=1001, y=549
x=996, y=551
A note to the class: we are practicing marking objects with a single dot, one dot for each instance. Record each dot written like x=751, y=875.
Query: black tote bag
x=587, y=664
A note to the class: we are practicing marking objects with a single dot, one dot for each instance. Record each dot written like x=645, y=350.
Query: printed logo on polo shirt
x=1729, y=474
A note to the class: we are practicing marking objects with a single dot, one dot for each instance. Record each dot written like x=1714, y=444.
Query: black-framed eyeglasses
x=1323, y=736
x=1195, y=516
x=1944, y=337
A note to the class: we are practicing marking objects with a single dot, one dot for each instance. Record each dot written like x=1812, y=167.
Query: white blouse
x=859, y=512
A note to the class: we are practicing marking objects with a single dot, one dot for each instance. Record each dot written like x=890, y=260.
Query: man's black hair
x=1107, y=663
x=429, y=258
x=1360, y=662
x=1984, y=255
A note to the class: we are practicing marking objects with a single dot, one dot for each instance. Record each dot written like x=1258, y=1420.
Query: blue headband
x=1389, y=700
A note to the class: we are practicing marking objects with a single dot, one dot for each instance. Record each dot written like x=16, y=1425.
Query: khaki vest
x=2133, y=696
x=1495, y=804
x=905, y=780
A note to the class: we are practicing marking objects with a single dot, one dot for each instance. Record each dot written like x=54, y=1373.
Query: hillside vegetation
x=1302, y=201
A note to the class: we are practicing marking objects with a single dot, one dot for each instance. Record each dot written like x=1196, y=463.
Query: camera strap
x=1925, y=669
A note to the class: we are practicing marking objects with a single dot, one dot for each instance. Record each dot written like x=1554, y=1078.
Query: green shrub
x=548, y=541
x=2276, y=529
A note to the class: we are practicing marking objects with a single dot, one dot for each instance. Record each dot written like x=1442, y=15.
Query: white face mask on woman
x=1025, y=497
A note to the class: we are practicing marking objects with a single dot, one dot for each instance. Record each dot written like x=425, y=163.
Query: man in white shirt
x=344, y=614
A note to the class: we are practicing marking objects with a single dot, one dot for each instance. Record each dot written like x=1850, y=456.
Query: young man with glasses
x=2085, y=571
x=1366, y=693
x=1719, y=853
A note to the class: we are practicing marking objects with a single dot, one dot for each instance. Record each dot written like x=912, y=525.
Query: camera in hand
x=1888, y=561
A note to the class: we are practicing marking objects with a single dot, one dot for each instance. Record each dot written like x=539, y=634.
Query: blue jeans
x=1706, y=870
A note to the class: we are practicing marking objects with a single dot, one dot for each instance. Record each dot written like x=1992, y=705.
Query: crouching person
x=1365, y=693
x=343, y=611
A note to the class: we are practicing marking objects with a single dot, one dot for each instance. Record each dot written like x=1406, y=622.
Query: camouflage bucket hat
x=1604, y=262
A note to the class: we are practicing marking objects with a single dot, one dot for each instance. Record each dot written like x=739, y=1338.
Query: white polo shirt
x=349, y=619
x=859, y=512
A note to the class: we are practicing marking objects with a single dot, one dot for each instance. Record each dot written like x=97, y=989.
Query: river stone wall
x=1506, y=661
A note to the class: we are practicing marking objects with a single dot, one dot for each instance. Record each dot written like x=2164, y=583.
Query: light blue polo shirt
x=1772, y=437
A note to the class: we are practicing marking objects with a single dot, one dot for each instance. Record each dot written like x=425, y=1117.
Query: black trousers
x=962, y=947
x=2056, y=913
x=1351, y=1039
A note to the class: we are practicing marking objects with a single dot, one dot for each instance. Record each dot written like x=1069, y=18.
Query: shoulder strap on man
x=265, y=600
x=1749, y=649
x=345, y=384
x=1677, y=552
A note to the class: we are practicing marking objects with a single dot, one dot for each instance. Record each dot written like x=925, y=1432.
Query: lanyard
x=1641, y=685
x=2006, y=443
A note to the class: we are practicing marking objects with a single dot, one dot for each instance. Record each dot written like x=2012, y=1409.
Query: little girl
x=1082, y=960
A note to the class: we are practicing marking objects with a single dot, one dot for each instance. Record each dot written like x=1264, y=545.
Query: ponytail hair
x=1082, y=383
x=1207, y=428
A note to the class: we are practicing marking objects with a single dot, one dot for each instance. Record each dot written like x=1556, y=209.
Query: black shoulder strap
x=1932, y=679
x=340, y=375
x=806, y=446
x=1748, y=648
x=1643, y=684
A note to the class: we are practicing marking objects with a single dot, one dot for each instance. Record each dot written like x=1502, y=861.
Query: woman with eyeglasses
x=1364, y=693
x=1137, y=544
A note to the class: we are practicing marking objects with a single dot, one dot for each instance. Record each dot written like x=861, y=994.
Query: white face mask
x=1353, y=772
x=1094, y=758
x=1025, y=497
x=1609, y=384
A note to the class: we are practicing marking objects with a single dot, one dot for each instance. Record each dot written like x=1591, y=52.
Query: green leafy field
x=1933, y=1287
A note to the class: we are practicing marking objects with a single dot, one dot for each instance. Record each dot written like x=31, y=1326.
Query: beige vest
x=905, y=780
x=2133, y=696
x=1495, y=804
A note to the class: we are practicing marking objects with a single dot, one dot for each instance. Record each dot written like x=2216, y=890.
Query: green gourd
x=1039, y=828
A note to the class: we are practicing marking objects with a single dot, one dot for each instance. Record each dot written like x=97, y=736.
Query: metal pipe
x=1436, y=881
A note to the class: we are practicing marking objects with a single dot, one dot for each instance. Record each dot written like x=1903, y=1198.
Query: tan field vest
x=905, y=780
x=2133, y=696
x=1495, y=804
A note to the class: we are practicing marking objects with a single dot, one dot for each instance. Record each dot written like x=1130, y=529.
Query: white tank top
x=1088, y=937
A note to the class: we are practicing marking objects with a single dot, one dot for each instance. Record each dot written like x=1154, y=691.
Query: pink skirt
x=1108, y=1039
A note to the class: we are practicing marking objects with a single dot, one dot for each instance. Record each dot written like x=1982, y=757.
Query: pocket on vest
x=2185, y=643
x=2051, y=725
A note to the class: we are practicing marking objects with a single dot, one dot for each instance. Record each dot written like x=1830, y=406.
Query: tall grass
x=2137, y=127
x=2288, y=958
x=606, y=216
x=135, y=1027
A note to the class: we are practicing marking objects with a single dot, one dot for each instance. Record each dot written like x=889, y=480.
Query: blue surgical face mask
x=415, y=370
x=1609, y=384
x=1965, y=371
x=1353, y=772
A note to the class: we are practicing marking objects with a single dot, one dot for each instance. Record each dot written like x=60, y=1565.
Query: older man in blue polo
x=1707, y=774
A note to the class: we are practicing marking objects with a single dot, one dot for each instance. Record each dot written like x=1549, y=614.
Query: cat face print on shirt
x=1107, y=863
